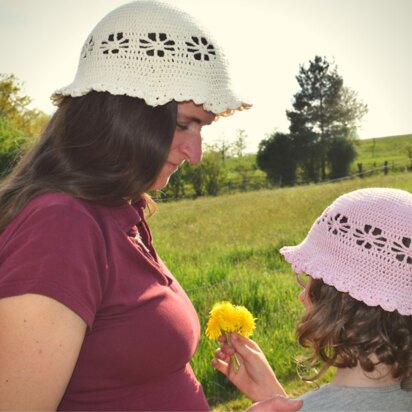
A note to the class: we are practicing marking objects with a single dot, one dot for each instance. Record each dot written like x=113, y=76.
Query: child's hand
x=255, y=378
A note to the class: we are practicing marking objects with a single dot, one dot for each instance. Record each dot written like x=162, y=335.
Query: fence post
x=360, y=169
x=385, y=167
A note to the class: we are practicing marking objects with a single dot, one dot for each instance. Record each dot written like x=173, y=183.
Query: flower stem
x=234, y=361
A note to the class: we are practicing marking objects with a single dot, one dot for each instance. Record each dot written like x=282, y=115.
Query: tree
x=15, y=107
x=12, y=143
x=18, y=123
x=222, y=146
x=324, y=110
x=195, y=177
x=306, y=145
x=175, y=189
x=239, y=145
x=276, y=157
x=340, y=155
x=208, y=176
x=214, y=172
x=245, y=174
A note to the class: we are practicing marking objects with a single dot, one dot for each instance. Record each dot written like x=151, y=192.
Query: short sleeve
x=56, y=251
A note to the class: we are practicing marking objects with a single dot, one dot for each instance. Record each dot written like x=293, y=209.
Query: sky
x=265, y=42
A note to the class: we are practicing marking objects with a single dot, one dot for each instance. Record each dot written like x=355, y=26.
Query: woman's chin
x=160, y=183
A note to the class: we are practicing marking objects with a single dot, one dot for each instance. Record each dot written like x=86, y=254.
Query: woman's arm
x=40, y=341
x=255, y=378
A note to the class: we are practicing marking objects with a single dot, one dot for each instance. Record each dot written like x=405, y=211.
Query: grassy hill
x=226, y=247
x=372, y=153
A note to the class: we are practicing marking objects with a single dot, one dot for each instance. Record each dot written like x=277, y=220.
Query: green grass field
x=226, y=247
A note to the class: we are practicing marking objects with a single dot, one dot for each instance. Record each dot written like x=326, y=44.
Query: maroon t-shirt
x=99, y=261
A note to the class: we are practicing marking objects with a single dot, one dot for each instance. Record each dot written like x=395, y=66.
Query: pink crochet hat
x=362, y=244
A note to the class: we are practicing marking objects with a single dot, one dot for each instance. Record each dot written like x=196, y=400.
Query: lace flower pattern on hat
x=370, y=238
x=157, y=44
x=201, y=48
x=338, y=223
x=115, y=43
x=88, y=47
x=403, y=250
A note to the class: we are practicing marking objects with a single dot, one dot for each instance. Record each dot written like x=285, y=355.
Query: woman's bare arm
x=40, y=341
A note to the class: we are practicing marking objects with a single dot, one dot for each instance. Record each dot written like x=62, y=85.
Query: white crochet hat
x=151, y=50
x=362, y=244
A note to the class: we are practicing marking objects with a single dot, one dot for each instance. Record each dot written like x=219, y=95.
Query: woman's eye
x=181, y=126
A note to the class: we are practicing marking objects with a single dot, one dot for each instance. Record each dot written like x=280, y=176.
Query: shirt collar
x=128, y=215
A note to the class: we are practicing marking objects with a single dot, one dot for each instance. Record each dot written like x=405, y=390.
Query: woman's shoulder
x=56, y=199
x=52, y=210
x=58, y=204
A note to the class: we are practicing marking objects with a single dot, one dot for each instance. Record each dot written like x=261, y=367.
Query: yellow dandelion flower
x=226, y=318
x=245, y=323
x=213, y=328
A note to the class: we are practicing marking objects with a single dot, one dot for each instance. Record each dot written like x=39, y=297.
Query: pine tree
x=323, y=110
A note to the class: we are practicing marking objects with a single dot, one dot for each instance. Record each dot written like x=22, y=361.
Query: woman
x=90, y=317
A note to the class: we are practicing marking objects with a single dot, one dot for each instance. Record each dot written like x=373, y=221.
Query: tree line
x=320, y=143
x=19, y=124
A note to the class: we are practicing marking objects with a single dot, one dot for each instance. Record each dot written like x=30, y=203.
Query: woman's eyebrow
x=194, y=119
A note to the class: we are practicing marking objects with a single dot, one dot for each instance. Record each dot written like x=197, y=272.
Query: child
x=358, y=307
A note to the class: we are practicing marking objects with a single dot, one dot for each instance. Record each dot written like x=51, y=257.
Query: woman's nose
x=192, y=149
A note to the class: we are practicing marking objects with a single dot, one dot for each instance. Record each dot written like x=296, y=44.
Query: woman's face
x=187, y=140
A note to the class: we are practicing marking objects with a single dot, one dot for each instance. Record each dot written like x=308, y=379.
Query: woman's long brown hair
x=98, y=147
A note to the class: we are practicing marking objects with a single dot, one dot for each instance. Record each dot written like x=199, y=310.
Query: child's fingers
x=222, y=339
x=239, y=341
x=249, y=342
x=243, y=347
x=221, y=366
x=223, y=355
x=227, y=349
x=235, y=336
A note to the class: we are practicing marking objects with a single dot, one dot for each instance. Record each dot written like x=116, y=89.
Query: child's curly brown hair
x=342, y=331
